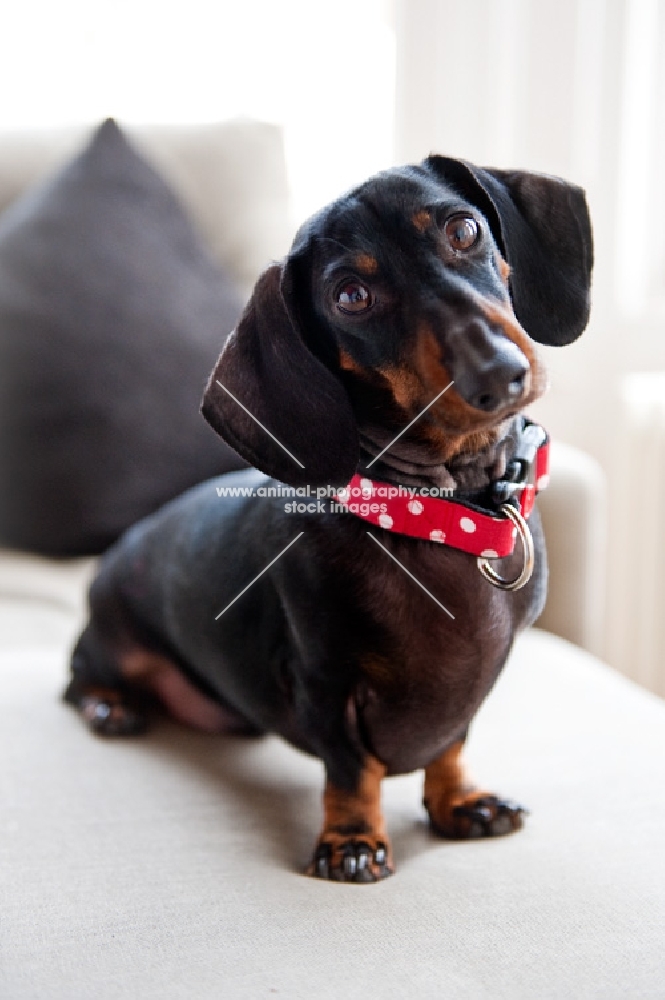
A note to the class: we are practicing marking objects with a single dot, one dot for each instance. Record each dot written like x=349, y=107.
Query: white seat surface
x=168, y=866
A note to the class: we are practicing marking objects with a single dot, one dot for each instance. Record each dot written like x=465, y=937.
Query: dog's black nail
x=364, y=853
x=380, y=854
x=349, y=865
x=322, y=861
x=501, y=825
x=513, y=807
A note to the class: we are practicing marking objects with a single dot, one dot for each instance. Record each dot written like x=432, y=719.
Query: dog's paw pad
x=351, y=861
x=485, y=816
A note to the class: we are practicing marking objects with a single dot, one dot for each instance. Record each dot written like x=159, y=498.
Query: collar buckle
x=519, y=470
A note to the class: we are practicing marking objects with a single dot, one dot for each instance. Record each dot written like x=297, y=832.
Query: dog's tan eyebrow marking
x=504, y=269
x=422, y=220
x=366, y=263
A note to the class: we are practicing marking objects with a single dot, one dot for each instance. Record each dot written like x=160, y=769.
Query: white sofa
x=169, y=866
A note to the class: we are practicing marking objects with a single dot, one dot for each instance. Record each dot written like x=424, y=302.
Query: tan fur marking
x=504, y=269
x=447, y=786
x=446, y=778
x=185, y=703
x=366, y=264
x=465, y=428
x=348, y=363
x=141, y=664
x=502, y=315
x=405, y=386
x=422, y=220
x=359, y=810
x=362, y=806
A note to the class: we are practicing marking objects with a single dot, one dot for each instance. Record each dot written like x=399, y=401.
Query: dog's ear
x=272, y=400
x=542, y=227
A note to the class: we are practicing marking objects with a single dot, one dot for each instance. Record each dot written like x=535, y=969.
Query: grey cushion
x=111, y=316
x=230, y=176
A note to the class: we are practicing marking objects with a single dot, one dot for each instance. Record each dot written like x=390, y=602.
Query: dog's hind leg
x=113, y=691
x=119, y=670
x=96, y=689
x=154, y=672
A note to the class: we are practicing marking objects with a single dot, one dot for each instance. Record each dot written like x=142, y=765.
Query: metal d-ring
x=522, y=527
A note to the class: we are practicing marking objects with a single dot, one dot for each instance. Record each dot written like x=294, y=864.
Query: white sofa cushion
x=42, y=601
x=168, y=866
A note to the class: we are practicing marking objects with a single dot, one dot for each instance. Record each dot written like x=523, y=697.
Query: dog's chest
x=438, y=653
x=416, y=704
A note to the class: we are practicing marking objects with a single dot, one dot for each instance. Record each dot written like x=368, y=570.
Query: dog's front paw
x=477, y=815
x=354, y=859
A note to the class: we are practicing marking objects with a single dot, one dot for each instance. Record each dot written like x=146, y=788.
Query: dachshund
x=389, y=358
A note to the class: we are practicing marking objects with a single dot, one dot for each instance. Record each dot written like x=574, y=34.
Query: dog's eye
x=352, y=297
x=462, y=232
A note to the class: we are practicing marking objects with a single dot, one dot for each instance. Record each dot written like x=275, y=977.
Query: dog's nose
x=489, y=369
x=502, y=383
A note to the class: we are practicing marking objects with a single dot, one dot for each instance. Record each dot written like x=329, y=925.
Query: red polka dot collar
x=464, y=526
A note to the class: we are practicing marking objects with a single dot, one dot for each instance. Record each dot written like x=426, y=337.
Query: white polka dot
x=543, y=481
x=367, y=487
x=437, y=535
x=385, y=520
x=343, y=494
x=514, y=532
x=489, y=554
x=466, y=524
x=415, y=506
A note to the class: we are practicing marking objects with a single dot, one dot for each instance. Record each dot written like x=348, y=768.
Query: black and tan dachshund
x=358, y=642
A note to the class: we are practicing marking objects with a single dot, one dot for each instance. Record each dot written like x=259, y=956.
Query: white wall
x=323, y=71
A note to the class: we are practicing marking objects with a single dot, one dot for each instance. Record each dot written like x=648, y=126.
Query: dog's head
x=420, y=277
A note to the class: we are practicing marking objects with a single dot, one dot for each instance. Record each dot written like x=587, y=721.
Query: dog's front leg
x=353, y=846
x=459, y=809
